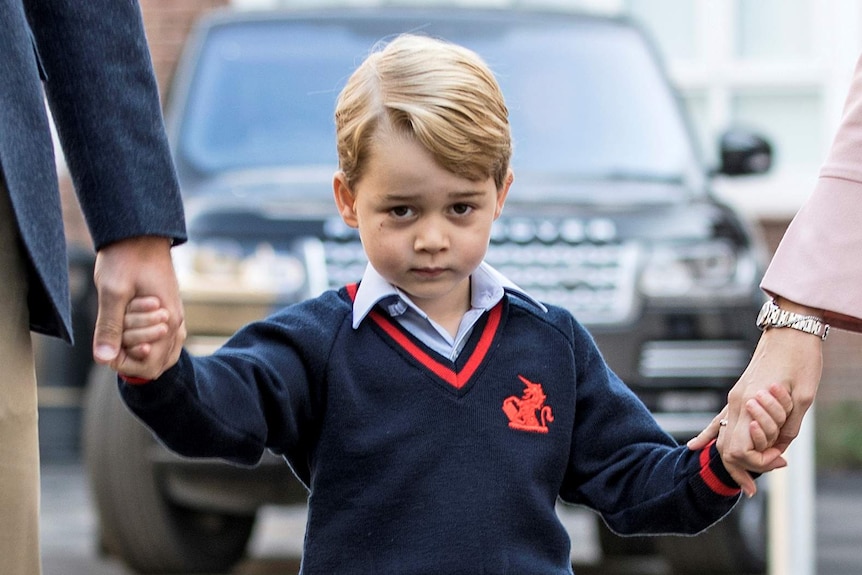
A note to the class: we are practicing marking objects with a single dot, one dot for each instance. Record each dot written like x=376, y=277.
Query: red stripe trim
x=444, y=372
x=134, y=380
x=710, y=478
x=439, y=369
x=482, y=347
x=351, y=290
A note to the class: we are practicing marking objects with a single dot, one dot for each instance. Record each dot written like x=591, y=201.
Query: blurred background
x=779, y=67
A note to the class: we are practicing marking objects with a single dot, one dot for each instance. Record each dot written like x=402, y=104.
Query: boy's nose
x=431, y=237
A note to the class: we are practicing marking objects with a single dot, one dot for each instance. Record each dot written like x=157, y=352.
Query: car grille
x=684, y=361
x=593, y=281
x=592, y=278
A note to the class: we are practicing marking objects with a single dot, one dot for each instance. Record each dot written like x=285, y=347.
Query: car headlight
x=224, y=270
x=714, y=270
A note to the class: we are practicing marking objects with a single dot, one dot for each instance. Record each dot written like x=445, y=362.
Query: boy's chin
x=437, y=292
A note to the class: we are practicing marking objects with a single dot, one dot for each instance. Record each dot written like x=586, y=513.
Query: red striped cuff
x=714, y=474
x=134, y=380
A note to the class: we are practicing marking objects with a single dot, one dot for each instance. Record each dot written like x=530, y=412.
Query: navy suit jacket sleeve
x=103, y=95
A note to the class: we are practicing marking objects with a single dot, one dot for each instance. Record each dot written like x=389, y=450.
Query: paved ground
x=839, y=524
x=69, y=526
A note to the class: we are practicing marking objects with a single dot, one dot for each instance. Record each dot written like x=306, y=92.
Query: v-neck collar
x=487, y=288
x=456, y=374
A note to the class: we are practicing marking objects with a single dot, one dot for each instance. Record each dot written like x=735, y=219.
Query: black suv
x=610, y=216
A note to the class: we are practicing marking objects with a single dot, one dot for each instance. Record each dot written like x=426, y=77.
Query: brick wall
x=168, y=23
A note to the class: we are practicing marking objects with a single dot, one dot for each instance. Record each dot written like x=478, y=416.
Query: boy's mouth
x=429, y=273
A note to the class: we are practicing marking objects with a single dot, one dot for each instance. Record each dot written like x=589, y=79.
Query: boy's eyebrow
x=398, y=197
x=466, y=194
x=455, y=195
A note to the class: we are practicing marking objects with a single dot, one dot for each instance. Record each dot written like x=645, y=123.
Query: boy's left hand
x=768, y=411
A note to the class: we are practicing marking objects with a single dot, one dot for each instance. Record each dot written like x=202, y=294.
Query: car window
x=264, y=96
x=586, y=101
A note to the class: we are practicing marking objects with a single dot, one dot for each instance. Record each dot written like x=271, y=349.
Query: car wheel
x=737, y=544
x=137, y=521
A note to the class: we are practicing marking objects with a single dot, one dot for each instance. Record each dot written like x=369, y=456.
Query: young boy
x=435, y=411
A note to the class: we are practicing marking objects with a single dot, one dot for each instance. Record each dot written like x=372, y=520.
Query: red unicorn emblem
x=522, y=411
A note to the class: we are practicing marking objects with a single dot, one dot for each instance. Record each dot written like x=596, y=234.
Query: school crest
x=528, y=412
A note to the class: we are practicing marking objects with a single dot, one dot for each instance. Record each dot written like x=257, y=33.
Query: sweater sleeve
x=203, y=407
x=816, y=263
x=261, y=390
x=625, y=467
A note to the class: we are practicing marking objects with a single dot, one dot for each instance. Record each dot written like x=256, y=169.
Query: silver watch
x=773, y=316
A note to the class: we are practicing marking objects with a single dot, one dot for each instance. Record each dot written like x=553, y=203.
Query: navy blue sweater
x=416, y=464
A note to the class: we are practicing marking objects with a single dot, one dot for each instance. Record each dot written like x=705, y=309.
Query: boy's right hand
x=144, y=324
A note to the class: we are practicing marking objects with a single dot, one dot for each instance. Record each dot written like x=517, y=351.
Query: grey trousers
x=19, y=440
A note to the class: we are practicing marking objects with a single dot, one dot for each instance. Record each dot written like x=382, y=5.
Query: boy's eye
x=461, y=209
x=401, y=211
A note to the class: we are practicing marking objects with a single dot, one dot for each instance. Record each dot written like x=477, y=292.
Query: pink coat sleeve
x=819, y=260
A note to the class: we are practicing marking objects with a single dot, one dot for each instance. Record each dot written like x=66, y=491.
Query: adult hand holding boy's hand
x=764, y=416
x=783, y=357
x=136, y=267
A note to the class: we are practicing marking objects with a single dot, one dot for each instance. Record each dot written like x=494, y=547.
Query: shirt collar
x=488, y=286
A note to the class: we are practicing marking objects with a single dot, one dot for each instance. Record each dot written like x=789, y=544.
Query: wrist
x=714, y=472
x=774, y=316
x=794, y=307
x=139, y=244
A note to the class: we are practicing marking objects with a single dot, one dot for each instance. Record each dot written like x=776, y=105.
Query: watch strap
x=774, y=316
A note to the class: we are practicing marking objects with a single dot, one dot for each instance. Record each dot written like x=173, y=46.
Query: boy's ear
x=345, y=200
x=503, y=192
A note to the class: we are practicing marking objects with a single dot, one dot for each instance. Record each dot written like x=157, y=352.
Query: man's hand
x=136, y=267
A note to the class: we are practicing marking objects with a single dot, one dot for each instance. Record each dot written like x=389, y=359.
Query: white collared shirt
x=487, y=289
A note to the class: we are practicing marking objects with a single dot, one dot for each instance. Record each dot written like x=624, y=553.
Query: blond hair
x=441, y=94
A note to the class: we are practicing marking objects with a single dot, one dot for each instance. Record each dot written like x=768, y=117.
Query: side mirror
x=744, y=152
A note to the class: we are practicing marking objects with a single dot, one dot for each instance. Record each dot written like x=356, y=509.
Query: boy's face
x=423, y=228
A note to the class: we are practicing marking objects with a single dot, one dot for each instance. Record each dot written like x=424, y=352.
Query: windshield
x=586, y=100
